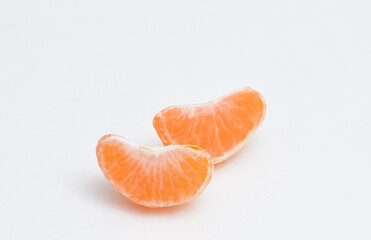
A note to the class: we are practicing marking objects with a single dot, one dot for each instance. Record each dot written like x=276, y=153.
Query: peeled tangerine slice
x=221, y=126
x=159, y=177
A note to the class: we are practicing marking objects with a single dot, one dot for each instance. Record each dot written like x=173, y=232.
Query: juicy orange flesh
x=160, y=178
x=217, y=126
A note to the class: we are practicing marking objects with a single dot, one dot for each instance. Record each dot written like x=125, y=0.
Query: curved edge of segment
x=100, y=158
x=166, y=139
x=159, y=125
x=260, y=96
x=210, y=172
x=232, y=152
x=158, y=122
x=206, y=182
x=249, y=89
x=102, y=140
x=237, y=148
x=204, y=103
x=160, y=128
x=99, y=151
x=202, y=153
x=199, y=190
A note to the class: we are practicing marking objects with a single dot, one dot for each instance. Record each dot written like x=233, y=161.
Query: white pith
x=140, y=148
x=235, y=149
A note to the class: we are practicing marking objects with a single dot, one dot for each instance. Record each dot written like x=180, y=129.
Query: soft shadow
x=100, y=190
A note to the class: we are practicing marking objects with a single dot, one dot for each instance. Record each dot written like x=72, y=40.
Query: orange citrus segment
x=159, y=177
x=221, y=126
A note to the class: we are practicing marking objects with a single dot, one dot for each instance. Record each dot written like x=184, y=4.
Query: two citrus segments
x=195, y=137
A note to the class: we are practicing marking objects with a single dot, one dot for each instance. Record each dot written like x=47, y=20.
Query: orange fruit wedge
x=158, y=177
x=221, y=126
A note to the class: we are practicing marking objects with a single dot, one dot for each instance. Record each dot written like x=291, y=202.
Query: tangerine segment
x=159, y=177
x=221, y=126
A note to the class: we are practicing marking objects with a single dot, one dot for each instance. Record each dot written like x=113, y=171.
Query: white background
x=72, y=71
